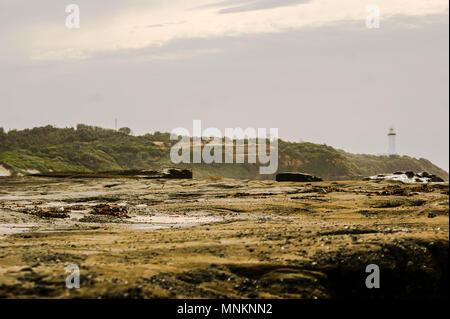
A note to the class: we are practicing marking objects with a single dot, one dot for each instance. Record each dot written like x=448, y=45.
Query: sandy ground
x=223, y=239
x=4, y=171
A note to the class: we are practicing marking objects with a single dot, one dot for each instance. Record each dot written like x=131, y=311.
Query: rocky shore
x=222, y=238
x=408, y=177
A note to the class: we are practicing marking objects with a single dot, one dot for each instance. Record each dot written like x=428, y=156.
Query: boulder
x=297, y=177
x=410, y=174
x=178, y=173
x=435, y=179
x=424, y=174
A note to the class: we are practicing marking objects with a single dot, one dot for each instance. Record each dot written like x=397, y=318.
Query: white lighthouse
x=391, y=136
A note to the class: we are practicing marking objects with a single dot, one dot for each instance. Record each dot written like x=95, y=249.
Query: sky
x=311, y=68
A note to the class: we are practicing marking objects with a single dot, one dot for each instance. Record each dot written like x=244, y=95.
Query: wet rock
x=51, y=213
x=177, y=173
x=424, y=174
x=410, y=174
x=297, y=177
x=169, y=173
x=104, y=209
x=407, y=177
x=111, y=185
x=436, y=179
x=101, y=219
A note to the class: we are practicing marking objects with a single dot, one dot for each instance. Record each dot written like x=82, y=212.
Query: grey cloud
x=234, y=6
x=25, y=12
x=161, y=25
x=343, y=85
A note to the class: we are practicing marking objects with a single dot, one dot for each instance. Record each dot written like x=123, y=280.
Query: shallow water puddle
x=7, y=229
x=173, y=220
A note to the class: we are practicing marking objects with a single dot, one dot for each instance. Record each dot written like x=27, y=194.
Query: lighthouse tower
x=391, y=136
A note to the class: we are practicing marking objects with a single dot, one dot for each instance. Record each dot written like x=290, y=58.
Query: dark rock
x=410, y=174
x=297, y=177
x=425, y=174
x=435, y=179
x=431, y=215
x=175, y=173
x=178, y=173
x=111, y=185
x=423, y=177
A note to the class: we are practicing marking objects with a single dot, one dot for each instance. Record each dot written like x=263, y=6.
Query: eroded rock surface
x=223, y=238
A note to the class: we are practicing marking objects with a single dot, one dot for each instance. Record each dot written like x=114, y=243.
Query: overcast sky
x=308, y=67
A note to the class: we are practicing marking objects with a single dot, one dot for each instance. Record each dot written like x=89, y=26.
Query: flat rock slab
x=198, y=239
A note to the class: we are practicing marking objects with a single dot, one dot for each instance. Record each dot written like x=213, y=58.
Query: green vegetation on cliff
x=89, y=148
